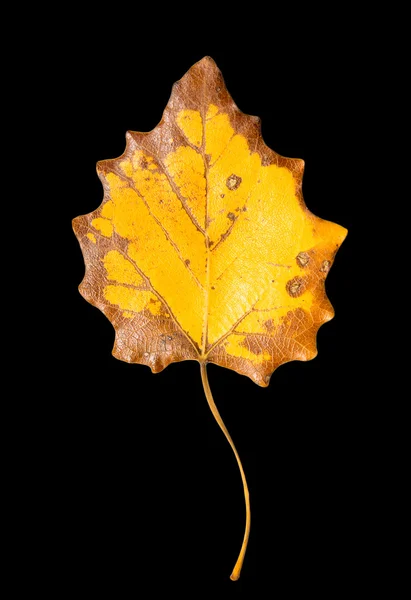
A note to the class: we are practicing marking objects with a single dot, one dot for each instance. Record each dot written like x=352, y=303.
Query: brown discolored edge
x=293, y=339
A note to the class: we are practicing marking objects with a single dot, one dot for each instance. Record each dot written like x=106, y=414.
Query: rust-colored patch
x=303, y=258
x=233, y=182
x=325, y=266
x=295, y=287
x=269, y=325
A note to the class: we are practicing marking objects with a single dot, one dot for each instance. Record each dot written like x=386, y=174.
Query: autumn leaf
x=203, y=248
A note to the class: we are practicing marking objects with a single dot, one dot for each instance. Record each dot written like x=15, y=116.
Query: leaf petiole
x=238, y=565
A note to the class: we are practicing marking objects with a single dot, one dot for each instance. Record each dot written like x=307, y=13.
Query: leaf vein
x=159, y=296
x=159, y=223
x=175, y=189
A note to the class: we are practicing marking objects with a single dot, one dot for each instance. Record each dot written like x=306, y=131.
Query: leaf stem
x=237, y=568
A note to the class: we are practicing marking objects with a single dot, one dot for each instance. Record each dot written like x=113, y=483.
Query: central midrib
x=206, y=237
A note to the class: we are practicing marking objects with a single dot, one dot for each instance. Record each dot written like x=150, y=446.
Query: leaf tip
x=311, y=355
x=130, y=139
x=207, y=60
x=261, y=379
x=344, y=233
x=329, y=314
x=300, y=165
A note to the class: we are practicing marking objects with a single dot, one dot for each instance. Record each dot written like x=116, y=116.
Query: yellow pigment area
x=108, y=210
x=103, y=225
x=236, y=345
x=127, y=299
x=211, y=111
x=186, y=168
x=258, y=227
x=91, y=237
x=275, y=302
x=226, y=205
x=254, y=227
x=164, y=242
x=165, y=206
x=218, y=134
x=125, y=210
x=191, y=124
x=120, y=269
x=127, y=167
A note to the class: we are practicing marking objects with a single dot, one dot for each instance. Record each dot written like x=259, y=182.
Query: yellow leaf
x=206, y=249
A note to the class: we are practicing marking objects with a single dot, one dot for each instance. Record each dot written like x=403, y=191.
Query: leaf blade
x=215, y=221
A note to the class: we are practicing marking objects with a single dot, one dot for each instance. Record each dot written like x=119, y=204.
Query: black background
x=138, y=486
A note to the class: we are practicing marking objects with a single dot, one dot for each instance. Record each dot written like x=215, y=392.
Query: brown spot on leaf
x=231, y=216
x=187, y=262
x=303, y=258
x=269, y=325
x=295, y=287
x=222, y=195
x=233, y=182
x=143, y=163
x=325, y=267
